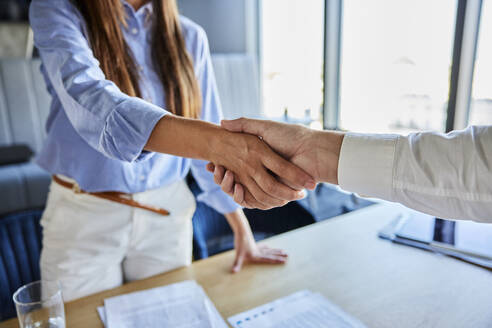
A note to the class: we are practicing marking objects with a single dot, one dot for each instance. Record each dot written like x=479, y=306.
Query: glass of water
x=40, y=305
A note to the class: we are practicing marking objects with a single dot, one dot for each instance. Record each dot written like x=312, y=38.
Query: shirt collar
x=146, y=8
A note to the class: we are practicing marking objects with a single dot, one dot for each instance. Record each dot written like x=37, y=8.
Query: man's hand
x=316, y=152
x=268, y=179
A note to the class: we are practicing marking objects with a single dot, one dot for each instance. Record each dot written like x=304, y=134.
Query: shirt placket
x=136, y=30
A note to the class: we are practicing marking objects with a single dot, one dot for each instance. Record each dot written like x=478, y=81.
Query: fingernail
x=310, y=184
x=301, y=194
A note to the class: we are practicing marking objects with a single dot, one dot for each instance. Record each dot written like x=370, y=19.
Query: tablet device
x=467, y=240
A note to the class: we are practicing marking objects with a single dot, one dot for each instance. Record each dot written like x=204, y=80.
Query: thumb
x=238, y=262
x=245, y=125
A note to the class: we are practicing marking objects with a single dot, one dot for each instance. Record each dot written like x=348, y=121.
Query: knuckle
x=248, y=204
x=283, y=165
x=255, y=204
x=238, y=199
x=291, y=172
x=300, y=177
x=291, y=194
x=281, y=203
x=270, y=187
x=226, y=182
x=263, y=198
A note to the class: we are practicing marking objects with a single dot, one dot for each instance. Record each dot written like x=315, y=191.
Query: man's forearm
x=443, y=175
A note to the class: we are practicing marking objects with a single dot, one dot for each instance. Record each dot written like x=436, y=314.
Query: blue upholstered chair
x=20, y=247
x=24, y=107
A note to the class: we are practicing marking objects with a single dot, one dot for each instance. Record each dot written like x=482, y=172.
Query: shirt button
x=142, y=178
x=134, y=31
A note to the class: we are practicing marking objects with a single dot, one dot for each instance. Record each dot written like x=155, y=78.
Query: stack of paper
x=303, y=309
x=183, y=304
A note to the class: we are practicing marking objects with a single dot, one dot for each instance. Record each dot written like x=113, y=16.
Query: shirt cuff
x=128, y=129
x=219, y=201
x=366, y=164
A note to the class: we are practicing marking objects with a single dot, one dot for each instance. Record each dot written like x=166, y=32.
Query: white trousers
x=92, y=244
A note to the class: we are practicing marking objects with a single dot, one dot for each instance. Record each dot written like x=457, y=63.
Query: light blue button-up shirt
x=96, y=133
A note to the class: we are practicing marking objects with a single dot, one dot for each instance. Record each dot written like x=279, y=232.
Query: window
x=292, y=60
x=481, y=99
x=395, y=64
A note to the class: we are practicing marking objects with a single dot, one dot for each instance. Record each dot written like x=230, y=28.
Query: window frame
x=464, y=54
x=332, y=63
x=467, y=27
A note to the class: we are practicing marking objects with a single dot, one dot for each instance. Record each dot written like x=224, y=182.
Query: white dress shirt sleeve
x=446, y=175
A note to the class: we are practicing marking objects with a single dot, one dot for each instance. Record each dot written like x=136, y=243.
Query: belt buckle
x=76, y=188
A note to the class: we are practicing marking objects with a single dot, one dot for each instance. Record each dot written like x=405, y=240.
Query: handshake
x=275, y=166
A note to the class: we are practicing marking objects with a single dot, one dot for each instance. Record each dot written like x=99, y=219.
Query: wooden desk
x=382, y=284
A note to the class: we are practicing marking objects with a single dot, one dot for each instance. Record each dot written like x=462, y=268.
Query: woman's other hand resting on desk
x=247, y=251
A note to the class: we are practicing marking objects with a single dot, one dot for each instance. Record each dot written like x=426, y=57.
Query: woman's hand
x=247, y=251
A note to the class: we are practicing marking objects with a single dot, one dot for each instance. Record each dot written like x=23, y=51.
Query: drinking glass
x=40, y=305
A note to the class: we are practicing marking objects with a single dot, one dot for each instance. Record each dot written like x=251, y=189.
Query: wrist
x=329, y=144
x=238, y=222
x=222, y=144
x=212, y=142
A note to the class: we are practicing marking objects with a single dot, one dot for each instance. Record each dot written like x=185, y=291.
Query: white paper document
x=303, y=309
x=180, y=305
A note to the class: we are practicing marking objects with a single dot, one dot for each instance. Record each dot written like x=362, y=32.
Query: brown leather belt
x=114, y=196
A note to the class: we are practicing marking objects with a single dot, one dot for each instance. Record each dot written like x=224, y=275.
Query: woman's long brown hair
x=172, y=61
